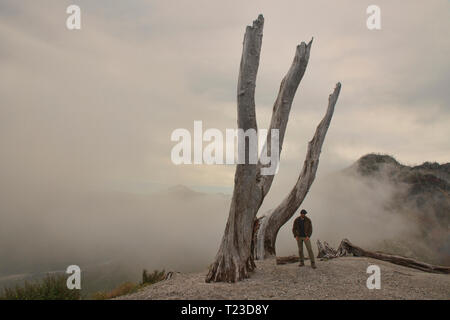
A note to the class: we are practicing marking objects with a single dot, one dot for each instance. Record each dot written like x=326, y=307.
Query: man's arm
x=308, y=235
x=295, y=228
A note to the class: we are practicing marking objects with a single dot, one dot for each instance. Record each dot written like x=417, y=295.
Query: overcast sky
x=95, y=108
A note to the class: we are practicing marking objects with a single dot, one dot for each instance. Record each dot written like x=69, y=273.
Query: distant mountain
x=377, y=164
x=428, y=185
x=422, y=194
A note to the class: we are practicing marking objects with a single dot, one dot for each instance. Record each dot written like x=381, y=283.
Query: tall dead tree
x=234, y=260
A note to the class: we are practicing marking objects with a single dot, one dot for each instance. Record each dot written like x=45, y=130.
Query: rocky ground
x=341, y=278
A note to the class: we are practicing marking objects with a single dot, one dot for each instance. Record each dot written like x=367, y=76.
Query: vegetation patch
x=52, y=287
x=131, y=287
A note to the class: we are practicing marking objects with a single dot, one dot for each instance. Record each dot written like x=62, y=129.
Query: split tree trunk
x=235, y=259
x=270, y=225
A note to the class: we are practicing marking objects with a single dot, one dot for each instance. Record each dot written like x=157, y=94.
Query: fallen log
x=288, y=259
x=403, y=261
x=346, y=248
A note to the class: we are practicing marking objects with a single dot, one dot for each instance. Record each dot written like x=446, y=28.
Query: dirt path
x=342, y=278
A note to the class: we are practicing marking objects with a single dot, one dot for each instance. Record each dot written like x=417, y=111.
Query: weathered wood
x=279, y=120
x=235, y=258
x=256, y=227
x=325, y=251
x=282, y=109
x=272, y=223
x=346, y=248
x=233, y=261
x=403, y=261
x=288, y=259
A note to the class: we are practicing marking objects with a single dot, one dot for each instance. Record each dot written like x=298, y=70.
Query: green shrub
x=52, y=287
x=152, y=278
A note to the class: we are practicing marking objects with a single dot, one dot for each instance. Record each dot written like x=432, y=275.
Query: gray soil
x=341, y=278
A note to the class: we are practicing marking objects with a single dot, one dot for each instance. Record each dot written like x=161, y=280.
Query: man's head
x=303, y=213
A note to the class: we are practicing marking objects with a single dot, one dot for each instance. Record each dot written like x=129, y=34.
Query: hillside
x=420, y=193
x=341, y=278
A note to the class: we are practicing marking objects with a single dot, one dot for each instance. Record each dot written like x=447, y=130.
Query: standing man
x=302, y=231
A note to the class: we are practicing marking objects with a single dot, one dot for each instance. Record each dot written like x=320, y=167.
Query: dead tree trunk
x=270, y=225
x=403, y=261
x=234, y=259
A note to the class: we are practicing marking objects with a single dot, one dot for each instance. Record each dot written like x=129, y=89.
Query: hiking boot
x=302, y=264
x=313, y=265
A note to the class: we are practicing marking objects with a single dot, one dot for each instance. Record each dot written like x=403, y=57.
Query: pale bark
x=276, y=218
x=282, y=108
x=233, y=261
x=325, y=251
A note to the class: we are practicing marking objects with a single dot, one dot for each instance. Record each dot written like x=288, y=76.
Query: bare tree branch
x=270, y=226
x=282, y=108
